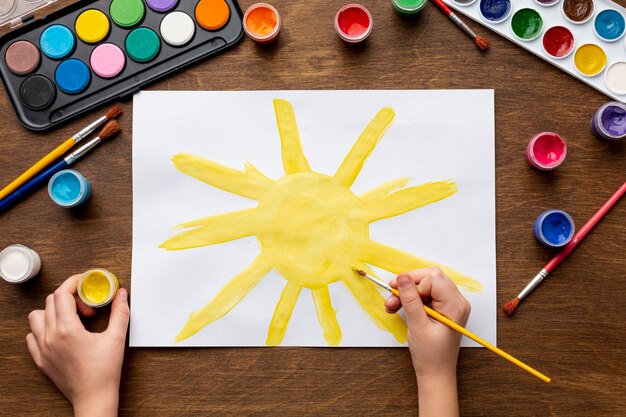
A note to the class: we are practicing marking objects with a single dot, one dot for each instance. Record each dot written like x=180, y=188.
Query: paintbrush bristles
x=360, y=272
x=481, y=43
x=109, y=130
x=113, y=112
x=510, y=307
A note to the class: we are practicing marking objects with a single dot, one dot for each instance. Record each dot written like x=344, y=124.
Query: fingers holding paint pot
x=120, y=314
x=97, y=287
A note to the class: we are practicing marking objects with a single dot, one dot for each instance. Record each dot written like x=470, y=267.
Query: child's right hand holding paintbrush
x=434, y=347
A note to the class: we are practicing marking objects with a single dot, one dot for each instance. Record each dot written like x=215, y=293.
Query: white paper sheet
x=436, y=135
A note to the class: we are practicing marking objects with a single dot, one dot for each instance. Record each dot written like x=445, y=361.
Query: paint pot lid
x=19, y=263
x=17, y=12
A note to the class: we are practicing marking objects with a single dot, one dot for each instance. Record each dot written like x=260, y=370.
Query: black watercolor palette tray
x=41, y=102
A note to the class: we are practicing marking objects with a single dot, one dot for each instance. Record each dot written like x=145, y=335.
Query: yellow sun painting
x=311, y=229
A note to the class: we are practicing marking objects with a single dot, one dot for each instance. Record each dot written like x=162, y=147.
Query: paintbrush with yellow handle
x=59, y=151
x=451, y=324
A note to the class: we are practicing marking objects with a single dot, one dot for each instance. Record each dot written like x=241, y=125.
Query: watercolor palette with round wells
x=585, y=38
x=96, y=51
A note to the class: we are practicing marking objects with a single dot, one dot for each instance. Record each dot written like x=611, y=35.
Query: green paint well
x=527, y=24
x=142, y=45
x=127, y=13
x=408, y=7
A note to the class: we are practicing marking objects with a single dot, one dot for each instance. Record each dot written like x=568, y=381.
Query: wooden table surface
x=573, y=328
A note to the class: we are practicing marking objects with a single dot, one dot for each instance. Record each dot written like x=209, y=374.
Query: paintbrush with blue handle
x=109, y=130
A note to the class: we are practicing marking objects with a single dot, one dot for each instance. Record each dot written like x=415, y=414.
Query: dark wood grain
x=573, y=328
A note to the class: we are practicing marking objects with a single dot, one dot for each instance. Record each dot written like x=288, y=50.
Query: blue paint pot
x=609, y=25
x=72, y=76
x=68, y=188
x=554, y=228
x=495, y=11
x=57, y=41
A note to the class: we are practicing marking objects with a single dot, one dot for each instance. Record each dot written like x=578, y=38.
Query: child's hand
x=85, y=366
x=434, y=346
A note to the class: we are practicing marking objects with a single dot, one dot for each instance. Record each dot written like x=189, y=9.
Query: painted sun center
x=311, y=229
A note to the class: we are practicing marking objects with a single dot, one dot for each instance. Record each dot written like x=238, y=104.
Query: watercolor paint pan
x=585, y=38
x=94, y=51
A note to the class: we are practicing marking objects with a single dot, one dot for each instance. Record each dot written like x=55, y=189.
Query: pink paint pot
x=546, y=151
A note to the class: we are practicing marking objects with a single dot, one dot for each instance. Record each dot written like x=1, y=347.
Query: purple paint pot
x=161, y=5
x=609, y=122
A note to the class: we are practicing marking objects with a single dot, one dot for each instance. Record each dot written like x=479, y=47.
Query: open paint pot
x=19, y=264
x=546, y=151
x=589, y=59
x=609, y=25
x=495, y=11
x=547, y=3
x=578, y=11
x=262, y=23
x=408, y=8
x=609, y=122
x=353, y=23
x=97, y=287
x=68, y=188
x=558, y=42
x=526, y=24
x=554, y=228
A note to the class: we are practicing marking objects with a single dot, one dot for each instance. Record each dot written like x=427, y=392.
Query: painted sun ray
x=326, y=315
x=282, y=314
x=370, y=300
x=408, y=199
x=363, y=147
x=383, y=190
x=234, y=181
x=294, y=160
x=397, y=262
x=214, y=229
x=230, y=295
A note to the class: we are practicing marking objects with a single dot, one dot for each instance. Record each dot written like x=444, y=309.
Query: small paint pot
x=526, y=24
x=578, y=11
x=68, y=188
x=353, y=23
x=558, y=42
x=609, y=25
x=18, y=264
x=615, y=78
x=546, y=151
x=609, y=122
x=408, y=8
x=547, y=3
x=589, y=59
x=465, y=2
x=262, y=23
x=97, y=287
x=554, y=228
x=495, y=11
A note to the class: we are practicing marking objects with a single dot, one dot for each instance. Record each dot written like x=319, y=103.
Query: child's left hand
x=85, y=366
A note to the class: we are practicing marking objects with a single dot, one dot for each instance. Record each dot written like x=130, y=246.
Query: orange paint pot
x=262, y=22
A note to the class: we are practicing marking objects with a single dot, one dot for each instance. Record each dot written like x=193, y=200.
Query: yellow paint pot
x=589, y=59
x=92, y=26
x=97, y=287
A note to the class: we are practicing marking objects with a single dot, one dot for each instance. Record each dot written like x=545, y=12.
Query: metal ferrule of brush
x=87, y=130
x=533, y=284
x=71, y=158
x=462, y=25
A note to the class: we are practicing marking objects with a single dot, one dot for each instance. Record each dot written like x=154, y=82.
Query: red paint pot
x=546, y=151
x=353, y=23
x=558, y=42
